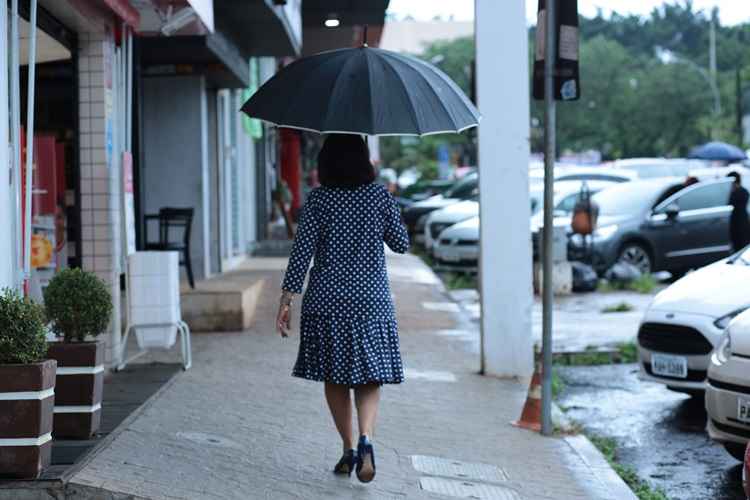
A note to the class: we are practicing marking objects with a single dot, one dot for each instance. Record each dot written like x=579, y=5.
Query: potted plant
x=27, y=389
x=78, y=307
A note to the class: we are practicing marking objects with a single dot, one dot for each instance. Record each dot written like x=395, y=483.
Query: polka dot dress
x=349, y=333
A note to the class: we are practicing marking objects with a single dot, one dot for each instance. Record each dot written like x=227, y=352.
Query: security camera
x=178, y=20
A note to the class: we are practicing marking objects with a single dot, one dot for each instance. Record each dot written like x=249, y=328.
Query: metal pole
x=29, y=146
x=114, y=208
x=15, y=137
x=549, y=172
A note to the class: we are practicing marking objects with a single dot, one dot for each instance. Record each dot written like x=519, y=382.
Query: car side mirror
x=672, y=210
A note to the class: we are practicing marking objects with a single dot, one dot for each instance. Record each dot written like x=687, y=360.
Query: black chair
x=173, y=222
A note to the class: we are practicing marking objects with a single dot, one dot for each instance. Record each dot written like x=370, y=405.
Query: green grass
x=558, y=384
x=623, y=353
x=645, y=284
x=608, y=447
x=458, y=281
x=618, y=308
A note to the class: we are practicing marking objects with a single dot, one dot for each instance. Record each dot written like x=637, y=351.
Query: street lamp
x=666, y=56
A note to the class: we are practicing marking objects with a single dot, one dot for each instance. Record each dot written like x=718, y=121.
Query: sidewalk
x=237, y=426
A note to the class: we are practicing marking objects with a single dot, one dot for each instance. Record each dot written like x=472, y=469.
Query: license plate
x=669, y=366
x=743, y=410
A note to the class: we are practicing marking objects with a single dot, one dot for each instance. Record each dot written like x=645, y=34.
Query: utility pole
x=550, y=53
x=738, y=105
x=712, y=57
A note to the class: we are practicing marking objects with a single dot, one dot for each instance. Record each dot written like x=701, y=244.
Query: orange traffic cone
x=531, y=416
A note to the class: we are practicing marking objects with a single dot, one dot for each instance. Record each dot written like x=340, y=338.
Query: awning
x=211, y=55
x=260, y=27
x=205, y=10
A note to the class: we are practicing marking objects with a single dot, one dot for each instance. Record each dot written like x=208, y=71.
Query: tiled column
x=99, y=180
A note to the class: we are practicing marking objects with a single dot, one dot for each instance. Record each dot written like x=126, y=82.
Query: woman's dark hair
x=344, y=162
x=735, y=176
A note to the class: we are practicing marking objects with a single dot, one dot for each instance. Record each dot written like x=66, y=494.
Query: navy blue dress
x=348, y=329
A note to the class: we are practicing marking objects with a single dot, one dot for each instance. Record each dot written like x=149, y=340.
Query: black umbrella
x=718, y=151
x=364, y=91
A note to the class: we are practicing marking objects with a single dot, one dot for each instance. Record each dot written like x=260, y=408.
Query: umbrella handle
x=364, y=37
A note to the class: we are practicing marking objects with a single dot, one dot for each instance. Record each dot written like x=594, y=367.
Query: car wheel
x=636, y=254
x=736, y=450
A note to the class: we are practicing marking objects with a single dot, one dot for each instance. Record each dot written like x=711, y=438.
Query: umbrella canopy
x=718, y=151
x=364, y=91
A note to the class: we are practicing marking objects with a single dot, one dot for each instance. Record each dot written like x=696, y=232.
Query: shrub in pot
x=27, y=389
x=78, y=307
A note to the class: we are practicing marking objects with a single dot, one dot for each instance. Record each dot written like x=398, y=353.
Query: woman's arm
x=395, y=235
x=305, y=243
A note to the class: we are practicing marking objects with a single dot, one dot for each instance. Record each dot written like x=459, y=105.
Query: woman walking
x=349, y=336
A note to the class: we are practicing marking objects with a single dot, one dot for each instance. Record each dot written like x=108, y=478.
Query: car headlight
x=724, y=321
x=723, y=349
x=605, y=232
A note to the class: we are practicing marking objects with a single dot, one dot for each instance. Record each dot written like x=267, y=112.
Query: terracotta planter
x=78, y=393
x=27, y=395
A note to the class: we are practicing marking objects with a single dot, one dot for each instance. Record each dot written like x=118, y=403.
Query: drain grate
x=436, y=466
x=466, y=489
x=208, y=439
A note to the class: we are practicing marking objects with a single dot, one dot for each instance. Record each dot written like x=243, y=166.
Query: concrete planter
x=27, y=396
x=80, y=383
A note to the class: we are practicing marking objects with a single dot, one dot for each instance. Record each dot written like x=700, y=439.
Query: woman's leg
x=366, y=398
x=340, y=404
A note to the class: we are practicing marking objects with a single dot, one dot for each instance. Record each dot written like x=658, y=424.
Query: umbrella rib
x=408, y=97
x=432, y=89
x=335, y=87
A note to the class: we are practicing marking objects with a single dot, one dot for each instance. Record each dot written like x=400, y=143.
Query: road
x=660, y=433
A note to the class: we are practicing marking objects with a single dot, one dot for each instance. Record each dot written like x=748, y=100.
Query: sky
x=730, y=11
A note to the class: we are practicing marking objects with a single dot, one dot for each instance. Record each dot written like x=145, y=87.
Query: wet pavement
x=578, y=318
x=659, y=433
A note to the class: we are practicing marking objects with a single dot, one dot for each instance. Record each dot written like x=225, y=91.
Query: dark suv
x=660, y=225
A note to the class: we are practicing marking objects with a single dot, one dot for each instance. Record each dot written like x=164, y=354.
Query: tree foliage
x=635, y=102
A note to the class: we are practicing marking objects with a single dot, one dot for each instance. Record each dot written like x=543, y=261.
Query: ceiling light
x=332, y=21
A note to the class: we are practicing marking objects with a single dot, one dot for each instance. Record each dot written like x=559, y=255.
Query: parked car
x=459, y=242
x=685, y=322
x=653, y=168
x=574, y=173
x=728, y=388
x=660, y=225
x=442, y=219
x=422, y=190
x=415, y=216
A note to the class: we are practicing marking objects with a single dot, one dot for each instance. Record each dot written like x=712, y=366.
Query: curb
x=609, y=480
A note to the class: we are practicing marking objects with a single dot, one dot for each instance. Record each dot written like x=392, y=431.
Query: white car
x=685, y=322
x=441, y=219
x=458, y=244
x=728, y=388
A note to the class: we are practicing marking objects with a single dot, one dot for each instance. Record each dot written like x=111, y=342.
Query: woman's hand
x=284, y=316
x=283, y=320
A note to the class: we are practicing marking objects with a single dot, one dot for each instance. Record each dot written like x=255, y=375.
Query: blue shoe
x=347, y=463
x=365, y=460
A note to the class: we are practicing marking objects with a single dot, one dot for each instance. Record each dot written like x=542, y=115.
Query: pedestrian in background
x=349, y=336
x=739, y=223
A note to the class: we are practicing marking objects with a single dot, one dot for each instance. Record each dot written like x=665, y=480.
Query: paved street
x=660, y=433
x=238, y=426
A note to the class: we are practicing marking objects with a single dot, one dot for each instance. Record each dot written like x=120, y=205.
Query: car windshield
x=627, y=198
x=463, y=188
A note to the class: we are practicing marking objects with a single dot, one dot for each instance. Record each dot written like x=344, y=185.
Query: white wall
x=506, y=258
